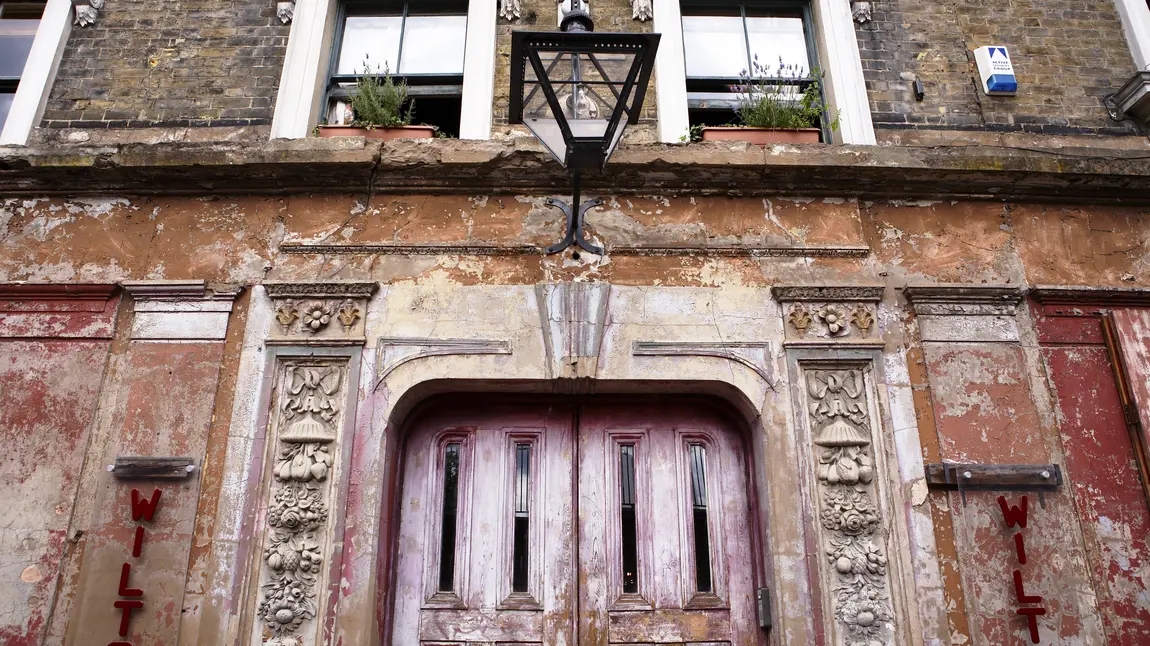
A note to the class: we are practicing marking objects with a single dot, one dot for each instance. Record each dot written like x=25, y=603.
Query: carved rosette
x=318, y=313
x=296, y=545
x=851, y=537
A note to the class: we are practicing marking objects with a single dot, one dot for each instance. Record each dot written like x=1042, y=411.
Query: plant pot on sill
x=762, y=136
x=386, y=134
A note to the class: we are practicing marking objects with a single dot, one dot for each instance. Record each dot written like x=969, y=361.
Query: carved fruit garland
x=847, y=511
x=298, y=511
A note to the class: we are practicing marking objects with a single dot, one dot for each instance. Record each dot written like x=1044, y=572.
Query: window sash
x=752, y=10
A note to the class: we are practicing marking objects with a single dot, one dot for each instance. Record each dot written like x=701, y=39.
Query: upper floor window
x=18, y=24
x=420, y=42
x=724, y=42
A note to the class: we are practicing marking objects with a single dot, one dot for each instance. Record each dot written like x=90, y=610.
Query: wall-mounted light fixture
x=577, y=90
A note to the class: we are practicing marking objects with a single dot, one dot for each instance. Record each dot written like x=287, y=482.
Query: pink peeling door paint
x=574, y=524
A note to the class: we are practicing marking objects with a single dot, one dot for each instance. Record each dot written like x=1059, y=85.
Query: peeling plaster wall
x=947, y=391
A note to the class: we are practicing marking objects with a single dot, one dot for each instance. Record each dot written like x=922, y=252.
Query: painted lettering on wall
x=143, y=509
x=1015, y=516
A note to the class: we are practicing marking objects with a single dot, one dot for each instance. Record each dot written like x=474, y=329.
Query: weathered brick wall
x=196, y=63
x=1067, y=55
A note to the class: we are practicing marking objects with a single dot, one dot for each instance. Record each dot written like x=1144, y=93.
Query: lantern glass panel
x=587, y=88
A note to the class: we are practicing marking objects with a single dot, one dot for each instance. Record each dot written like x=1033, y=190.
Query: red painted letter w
x=142, y=507
x=1013, y=514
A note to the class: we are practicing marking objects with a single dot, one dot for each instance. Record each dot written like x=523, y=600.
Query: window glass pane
x=5, y=106
x=15, y=41
x=374, y=39
x=714, y=45
x=698, y=462
x=519, y=565
x=433, y=45
x=450, y=508
x=628, y=533
x=775, y=39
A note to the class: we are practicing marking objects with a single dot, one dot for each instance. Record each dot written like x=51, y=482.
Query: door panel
x=659, y=478
x=481, y=606
x=668, y=606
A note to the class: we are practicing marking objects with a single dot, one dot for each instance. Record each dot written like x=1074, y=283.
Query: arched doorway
x=564, y=521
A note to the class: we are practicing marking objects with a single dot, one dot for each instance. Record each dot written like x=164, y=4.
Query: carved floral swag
x=298, y=511
x=847, y=511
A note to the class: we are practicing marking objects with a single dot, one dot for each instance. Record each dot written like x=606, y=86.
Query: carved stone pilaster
x=829, y=313
x=642, y=9
x=319, y=313
x=853, y=567
x=86, y=11
x=308, y=418
x=574, y=316
x=510, y=10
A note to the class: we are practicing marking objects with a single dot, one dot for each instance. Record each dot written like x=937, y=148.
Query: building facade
x=266, y=387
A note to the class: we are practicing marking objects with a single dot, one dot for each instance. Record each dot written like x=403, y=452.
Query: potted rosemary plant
x=378, y=105
x=776, y=106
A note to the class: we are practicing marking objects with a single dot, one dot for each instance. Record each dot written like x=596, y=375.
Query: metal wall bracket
x=763, y=606
x=955, y=476
x=574, y=233
x=960, y=477
x=138, y=468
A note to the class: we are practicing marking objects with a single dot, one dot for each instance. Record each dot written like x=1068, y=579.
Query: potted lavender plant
x=775, y=107
x=378, y=110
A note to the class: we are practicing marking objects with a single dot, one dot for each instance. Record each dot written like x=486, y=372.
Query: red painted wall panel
x=1101, y=469
x=53, y=349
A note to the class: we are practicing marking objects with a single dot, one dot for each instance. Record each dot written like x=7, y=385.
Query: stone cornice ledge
x=522, y=165
x=320, y=289
x=963, y=300
x=835, y=293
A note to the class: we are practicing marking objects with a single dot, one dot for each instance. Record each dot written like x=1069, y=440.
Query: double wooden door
x=574, y=523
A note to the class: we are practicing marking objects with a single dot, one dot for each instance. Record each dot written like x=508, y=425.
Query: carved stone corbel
x=510, y=10
x=574, y=316
x=319, y=313
x=642, y=9
x=86, y=11
x=285, y=10
x=861, y=11
x=854, y=566
x=829, y=314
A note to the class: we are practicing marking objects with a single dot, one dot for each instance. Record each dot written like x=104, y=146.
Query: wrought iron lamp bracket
x=574, y=233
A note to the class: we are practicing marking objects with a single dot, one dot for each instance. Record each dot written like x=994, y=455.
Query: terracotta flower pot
x=387, y=134
x=762, y=136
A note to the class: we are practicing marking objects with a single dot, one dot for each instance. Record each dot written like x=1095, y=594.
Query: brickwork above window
x=144, y=63
x=1067, y=55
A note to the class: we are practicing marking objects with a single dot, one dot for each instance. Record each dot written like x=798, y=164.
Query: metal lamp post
x=577, y=90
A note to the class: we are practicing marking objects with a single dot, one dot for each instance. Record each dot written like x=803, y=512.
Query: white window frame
x=1135, y=17
x=843, y=79
x=305, y=70
x=39, y=73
